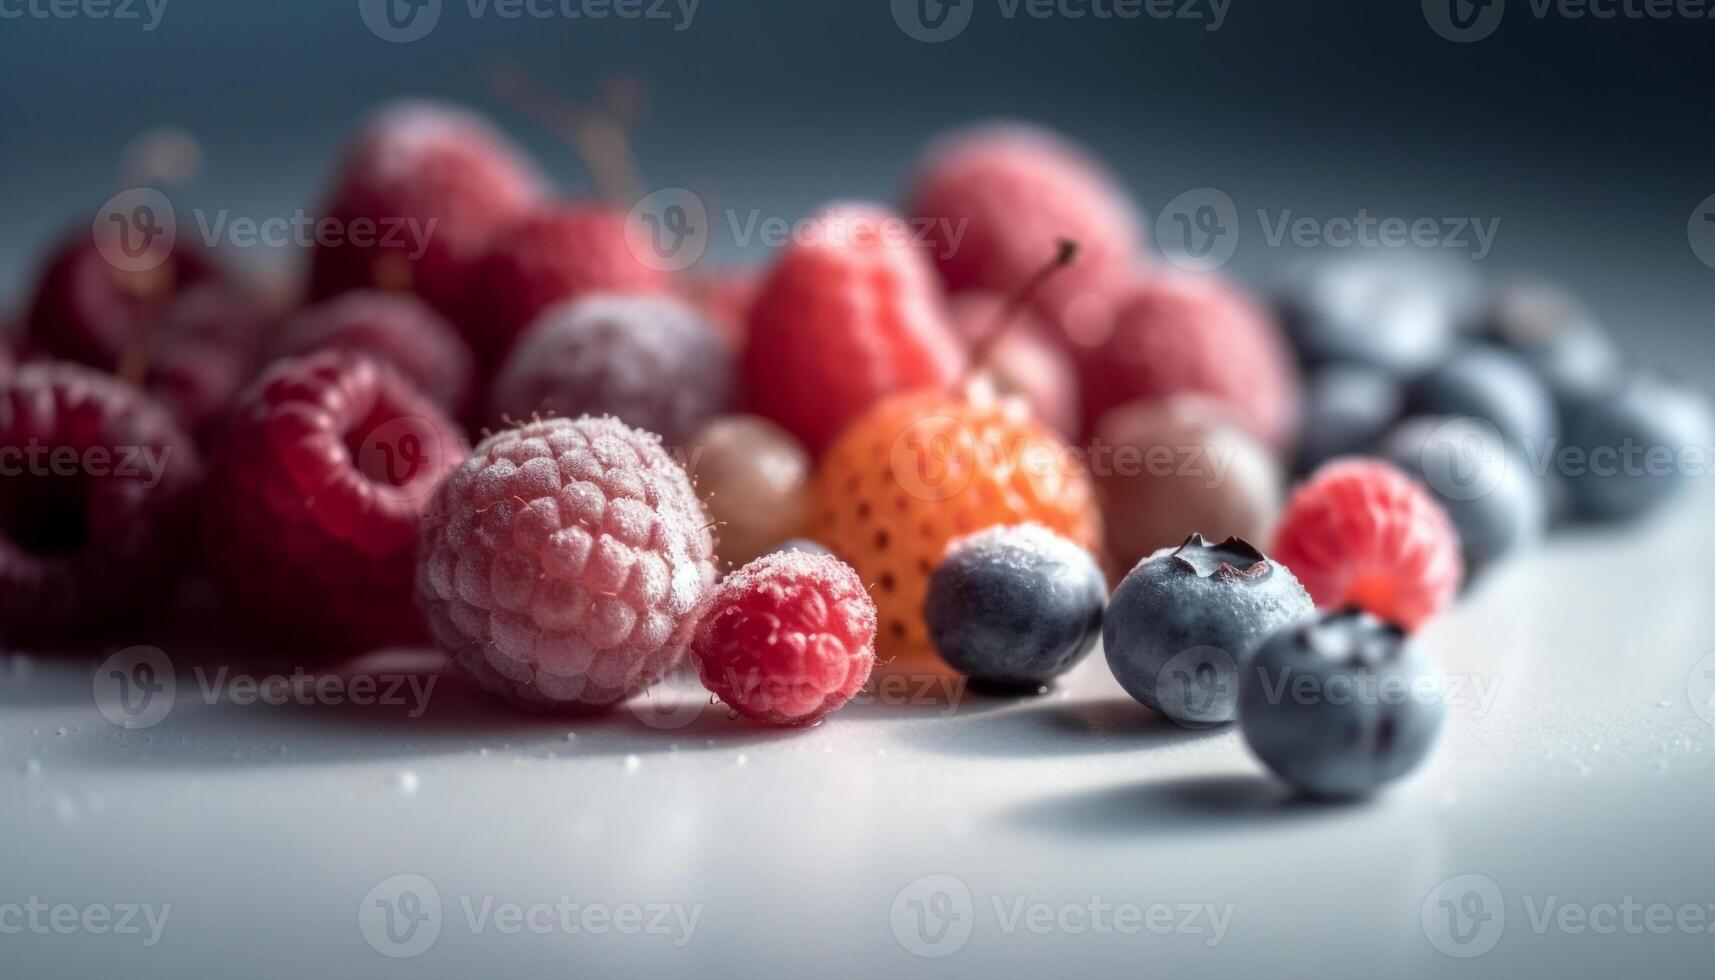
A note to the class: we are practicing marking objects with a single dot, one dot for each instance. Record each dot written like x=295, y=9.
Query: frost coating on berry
x=787, y=638
x=559, y=565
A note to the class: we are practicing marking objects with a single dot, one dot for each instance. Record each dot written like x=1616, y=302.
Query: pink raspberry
x=997, y=198
x=1362, y=533
x=95, y=508
x=725, y=297
x=551, y=255
x=560, y=563
x=421, y=192
x=787, y=638
x=1175, y=334
x=315, y=495
x=396, y=328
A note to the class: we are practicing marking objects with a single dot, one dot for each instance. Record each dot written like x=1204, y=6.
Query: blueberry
x=1015, y=607
x=1347, y=409
x=1631, y=448
x=1399, y=315
x=804, y=545
x=1185, y=618
x=1552, y=332
x=1488, y=383
x=1341, y=705
x=1486, y=486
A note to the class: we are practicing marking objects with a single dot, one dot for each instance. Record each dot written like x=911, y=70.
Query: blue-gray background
x=1587, y=139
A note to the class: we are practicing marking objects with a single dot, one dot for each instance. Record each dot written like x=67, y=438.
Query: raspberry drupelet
x=396, y=328
x=787, y=638
x=561, y=564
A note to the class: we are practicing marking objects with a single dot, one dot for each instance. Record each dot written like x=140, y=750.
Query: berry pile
x=957, y=416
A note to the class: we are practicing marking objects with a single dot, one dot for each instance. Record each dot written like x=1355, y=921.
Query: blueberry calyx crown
x=1234, y=558
x=1354, y=636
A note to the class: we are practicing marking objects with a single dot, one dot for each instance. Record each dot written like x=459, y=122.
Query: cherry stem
x=596, y=133
x=1065, y=253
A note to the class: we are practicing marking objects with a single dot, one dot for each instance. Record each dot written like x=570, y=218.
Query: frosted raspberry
x=850, y=314
x=420, y=194
x=560, y=563
x=551, y=255
x=997, y=197
x=651, y=361
x=1176, y=334
x=202, y=352
x=1361, y=533
x=787, y=638
x=94, y=511
x=396, y=328
x=315, y=494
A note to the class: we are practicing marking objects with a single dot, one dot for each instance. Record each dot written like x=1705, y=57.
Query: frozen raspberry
x=399, y=329
x=552, y=255
x=421, y=192
x=87, y=310
x=994, y=199
x=725, y=297
x=1022, y=361
x=787, y=638
x=652, y=362
x=559, y=565
x=850, y=314
x=1361, y=533
x=1176, y=334
x=315, y=494
x=98, y=483
x=201, y=353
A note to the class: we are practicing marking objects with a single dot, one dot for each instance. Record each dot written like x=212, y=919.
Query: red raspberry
x=787, y=638
x=1022, y=361
x=560, y=563
x=850, y=314
x=996, y=199
x=725, y=298
x=1175, y=334
x=315, y=494
x=399, y=329
x=98, y=483
x=203, y=351
x=1360, y=532
x=412, y=164
x=551, y=255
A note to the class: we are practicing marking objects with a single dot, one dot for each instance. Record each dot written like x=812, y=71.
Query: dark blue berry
x=1184, y=620
x=1487, y=487
x=1488, y=383
x=1553, y=333
x=1347, y=409
x=1340, y=706
x=1015, y=607
x=1630, y=448
x=1398, y=315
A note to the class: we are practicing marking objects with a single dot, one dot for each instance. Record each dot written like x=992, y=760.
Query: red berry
x=850, y=314
x=787, y=638
x=399, y=329
x=551, y=255
x=560, y=563
x=1362, y=533
x=315, y=494
x=98, y=482
x=997, y=198
x=202, y=352
x=1022, y=361
x=85, y=309
x=725, y=298
x=1175, y=335
x=421, y=192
